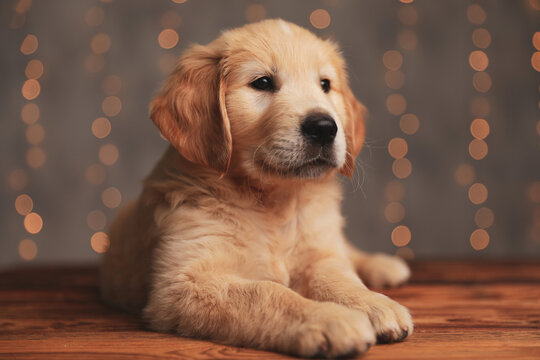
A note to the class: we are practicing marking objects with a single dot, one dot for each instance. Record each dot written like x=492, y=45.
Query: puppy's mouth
x=310, y=168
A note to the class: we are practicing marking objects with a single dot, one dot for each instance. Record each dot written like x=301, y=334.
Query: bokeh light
x=108, y=154
x=320, y=19
x=405, y=253
x=464, y=175
x=168, y=38
x=396, y=104
x=480, y=129
x=35, y=134
x=393, y=60
x=96, y=220
x=476, y=14
x=100, y=242
x=33, y=223
x=35, y=157
x=484, y=218
x=101, y=127
x=95, y=174
x=536, y=40
x=100, y=43
x=402, y=168
x=397, y=148
x=482, y=81
x=478, y=60
x=255, y=12
x=479, y=239
x=34, y=69
x=478, y=149
x=478, y=193
x=23, y=6
x=401, y=236
x=94, y=16
x=29, y=44
x=535, y=61
x=394, y=191
x=111, y=105
x=408, y=15
x=409, y=124
x=394, y=212
x=24, y=204
x=111, y=197
x=30, y=89
x=481, y=38
x=28, y=249
x=394, y=79
x=406, y=1
x=18, y=179
x=30, y=113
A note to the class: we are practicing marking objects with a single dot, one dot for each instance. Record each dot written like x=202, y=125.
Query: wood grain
x=462, y=310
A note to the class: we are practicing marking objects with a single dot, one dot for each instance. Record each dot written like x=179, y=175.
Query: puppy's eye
x=325, y=85
x=263, y=83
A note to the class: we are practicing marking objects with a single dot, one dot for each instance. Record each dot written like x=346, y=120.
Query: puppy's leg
x=379, y=270
x=260, y=314
x=332, y=279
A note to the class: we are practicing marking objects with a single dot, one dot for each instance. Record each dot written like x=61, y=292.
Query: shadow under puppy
x=237, y=235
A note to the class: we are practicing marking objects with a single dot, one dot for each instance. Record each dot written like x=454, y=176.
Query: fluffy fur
x=237, y=235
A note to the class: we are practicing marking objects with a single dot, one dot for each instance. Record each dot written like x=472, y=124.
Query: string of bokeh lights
x=534, y=188
x=398, y=147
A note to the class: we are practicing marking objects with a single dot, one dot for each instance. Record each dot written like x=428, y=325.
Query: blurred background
x=452, y=162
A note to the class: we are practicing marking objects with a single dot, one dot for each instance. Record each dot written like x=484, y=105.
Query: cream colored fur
x=224, y=243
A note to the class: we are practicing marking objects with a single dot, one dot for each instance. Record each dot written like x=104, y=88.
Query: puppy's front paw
x=391, y=321
x=331, y=331
x=381, y=270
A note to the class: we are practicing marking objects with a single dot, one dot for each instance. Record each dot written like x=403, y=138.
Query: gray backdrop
x=435, y=40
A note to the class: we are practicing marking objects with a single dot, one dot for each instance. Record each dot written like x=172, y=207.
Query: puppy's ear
x=354, y=130
x=190, y=110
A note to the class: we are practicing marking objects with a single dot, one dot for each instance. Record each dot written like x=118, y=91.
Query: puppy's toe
x=391, y=321
x=381, y=270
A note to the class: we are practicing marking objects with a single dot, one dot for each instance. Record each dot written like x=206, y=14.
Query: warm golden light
x=24, y=204
x=394, y=79
x=481, y=38
x=479, y=239
x=100, y=43
x=402, y=168
x=100, y=242
x=480, y=128
x=96, y=220
x=407, y=40
x=18, y=179
x=28, y=249
x=320, y=19
x=101, y=127
x=535, y=61
x=30, y=113
x=111, y=85
x=397, y=148
x=108, y=154
x=35, y=157
x=534, y=192
x=167, y=63
x=33, y=223
x=30, y=89
x=111, y=105
x=179, y=1
x=393, y=60
x=478, y=193
x=478, y=149
x=34, y=69
x=394, y=212
x=536, y=40
x=482, y=81
x=408, y=15
x=401, y=236
x=95, y=174
x=409, y=124
x=29, y=44
x=396, y=104
x=405, y=253
x=111, y=197
x=464, y=175
x=476, y=14
x=23, y=6
x=35, y=134
x=406, y=1
x=94, y=16
x=94, y=63
x=394, y=191
x=171, y=19
x=484, y=218
x=480, y=107
x=168, y=38
x=255, y=12
x=478, y=60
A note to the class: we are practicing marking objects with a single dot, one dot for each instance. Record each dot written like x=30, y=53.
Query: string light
x=168, y=38
x=100, y=242
x=33, y=223
x=320, y=19
x=28, y=249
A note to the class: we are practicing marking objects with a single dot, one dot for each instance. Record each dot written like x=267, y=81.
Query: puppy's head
x=266, y=99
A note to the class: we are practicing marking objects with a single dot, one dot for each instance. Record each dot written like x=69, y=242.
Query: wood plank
x=492, y=313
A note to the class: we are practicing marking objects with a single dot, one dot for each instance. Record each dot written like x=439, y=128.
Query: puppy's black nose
x=319, y=128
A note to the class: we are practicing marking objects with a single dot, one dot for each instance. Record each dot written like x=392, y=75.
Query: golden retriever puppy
x=237, y=235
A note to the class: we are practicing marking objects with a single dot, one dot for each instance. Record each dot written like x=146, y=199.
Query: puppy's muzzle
x=319, y=129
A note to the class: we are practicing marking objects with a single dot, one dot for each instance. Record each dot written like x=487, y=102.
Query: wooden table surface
x=462, y=310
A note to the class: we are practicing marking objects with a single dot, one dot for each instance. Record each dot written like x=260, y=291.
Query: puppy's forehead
x=276, y=46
